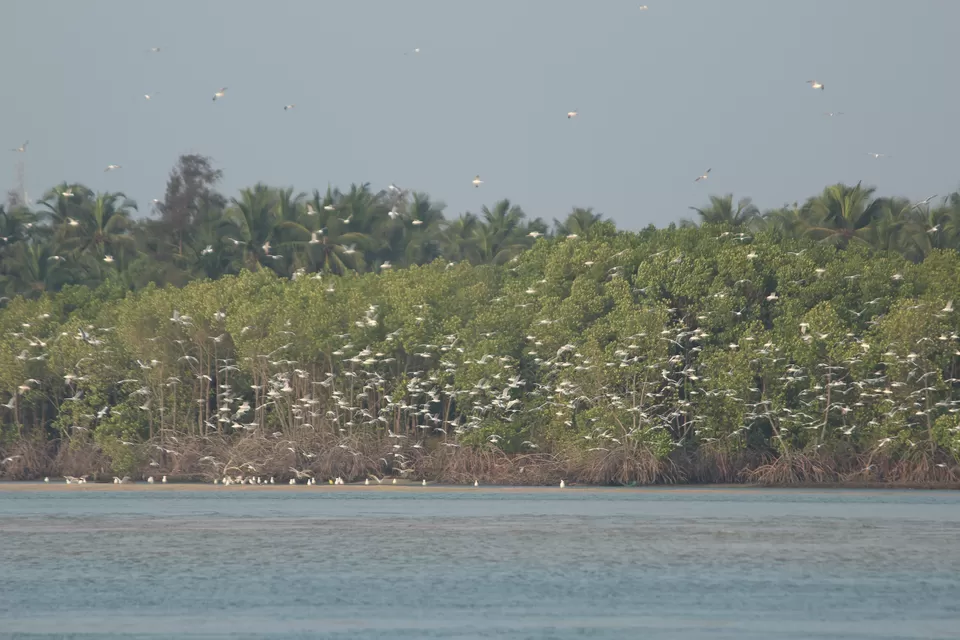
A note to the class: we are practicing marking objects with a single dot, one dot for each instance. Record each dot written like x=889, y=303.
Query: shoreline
x=27, y=486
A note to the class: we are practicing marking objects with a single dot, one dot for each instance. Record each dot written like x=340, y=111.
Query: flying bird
x=477, y=181
x=815, y=85
x=111, y=167
x=22, y=148
x=572, y=114
x=704, y=176
x=220, y=94
x=877, y=155
x=923, y=202
x=288, y=107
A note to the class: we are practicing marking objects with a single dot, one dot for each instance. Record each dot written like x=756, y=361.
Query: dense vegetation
x=816, y=343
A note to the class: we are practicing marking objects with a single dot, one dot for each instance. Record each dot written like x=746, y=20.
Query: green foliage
x=828, y=327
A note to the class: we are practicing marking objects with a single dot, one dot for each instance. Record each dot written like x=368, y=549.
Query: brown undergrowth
x=359, y=458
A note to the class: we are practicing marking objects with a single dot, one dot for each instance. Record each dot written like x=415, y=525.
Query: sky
x=663, y=94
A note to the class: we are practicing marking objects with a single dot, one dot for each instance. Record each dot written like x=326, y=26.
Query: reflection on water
x=159, y=563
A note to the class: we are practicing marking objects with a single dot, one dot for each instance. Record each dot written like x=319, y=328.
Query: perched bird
x=815, y=85
x=704, y=176
x=108, y=258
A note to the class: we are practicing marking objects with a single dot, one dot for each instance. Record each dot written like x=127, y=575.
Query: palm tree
x=842, y=214
x=420, y=225
x=33, y=269
x=578, y=222
x=64, y=202
x=787, y=221
x=103, y=226
x=458, y=239
x=251, y=221
x=502, y=233
x=722, y=212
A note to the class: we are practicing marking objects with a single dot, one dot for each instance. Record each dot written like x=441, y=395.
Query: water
x=358, y=564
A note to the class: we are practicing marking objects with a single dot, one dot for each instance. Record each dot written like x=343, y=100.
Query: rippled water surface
x=353, y=563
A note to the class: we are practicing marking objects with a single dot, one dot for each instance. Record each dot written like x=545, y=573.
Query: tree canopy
x=360, y=332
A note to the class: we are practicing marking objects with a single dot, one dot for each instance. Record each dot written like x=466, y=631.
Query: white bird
x=424, y=483
x=562, y=484
x=288, y=107
x=47, y=479
x=476, y=483
x=219, y=94
x=923, y=202
x=877, y=155
x=207, y=250
x=108, y=258
x=163, y=479
x=704, y=176
x=22, y=148
x=815, y=85
x=155, y=49
x=111, y=167
x=948, y=308
x=313, y=238
x=477, y=181
x=572, y=114
x=833, y=113
x=150, y=480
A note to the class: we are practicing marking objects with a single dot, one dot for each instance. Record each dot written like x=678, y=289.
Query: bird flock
x=402, y=391
x=221, y=93
x=383, y=382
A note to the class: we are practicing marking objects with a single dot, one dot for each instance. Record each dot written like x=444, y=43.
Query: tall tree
x=190, y=190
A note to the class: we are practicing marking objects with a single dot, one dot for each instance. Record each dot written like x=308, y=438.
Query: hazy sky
x=663, y=94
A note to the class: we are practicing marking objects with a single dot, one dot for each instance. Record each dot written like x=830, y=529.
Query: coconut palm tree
x=578, y=222
x=502, y=233
x=842, y=214
x=722, y=211
x=103, y=227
